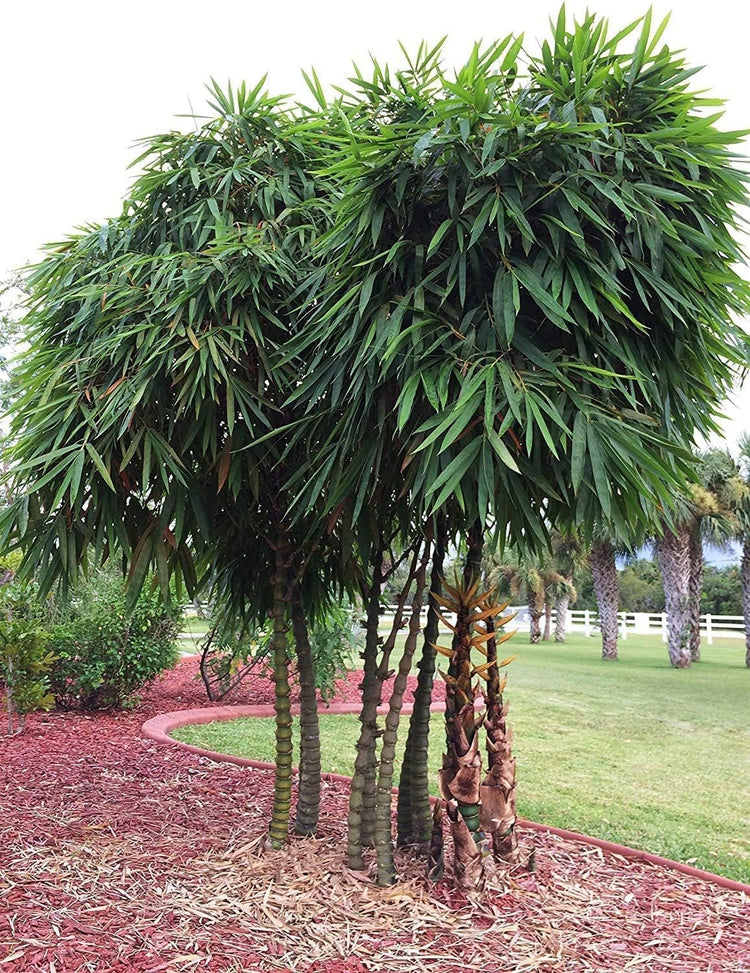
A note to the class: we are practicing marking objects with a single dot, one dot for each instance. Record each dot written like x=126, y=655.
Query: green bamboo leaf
x=364, y=296
x=423, y=143
x=485, y=482
x=139, y=565
x=448, y=482
x=99, y=464
x=552, y=308
x=599, y=469
x=438, y=236
x=502, y=451
x=406, y=399
x=578, y=450
x=377, y=224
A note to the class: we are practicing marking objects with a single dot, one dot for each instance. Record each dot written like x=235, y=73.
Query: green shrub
x=103, y=653
x=230, y=652
x=24, y=657
x=333, y=642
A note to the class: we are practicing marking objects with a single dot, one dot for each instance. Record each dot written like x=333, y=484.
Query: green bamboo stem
x=9, y=701
x=414, y=815
x=383, y=672
x=475, y=546
x=359, y=833
x=383, y=836
x=361, y=822
x=308, y=797
x=282, y=795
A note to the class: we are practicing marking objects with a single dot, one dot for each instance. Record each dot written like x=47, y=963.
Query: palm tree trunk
x=607, y=590
x=282, y=795
x=561, y=616
x=308, y=797
x=745, y=570
x=696, y=590
x=383, y=834
x=673, y=552
x=547, y=620
x=359, y=831
x=414, y=815
x=536, y=610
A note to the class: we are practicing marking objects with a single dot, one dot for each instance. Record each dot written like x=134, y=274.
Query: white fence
x=630, y=623
x=644, y=623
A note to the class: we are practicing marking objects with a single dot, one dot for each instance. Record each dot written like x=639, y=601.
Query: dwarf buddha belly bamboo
x=460, y=780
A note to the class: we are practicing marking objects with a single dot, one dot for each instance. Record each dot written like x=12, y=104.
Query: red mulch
x=118, y=854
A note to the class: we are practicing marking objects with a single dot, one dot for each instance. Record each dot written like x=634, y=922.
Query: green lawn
x=631, y=751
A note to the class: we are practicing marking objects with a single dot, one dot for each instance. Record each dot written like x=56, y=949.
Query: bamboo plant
x=480, y=810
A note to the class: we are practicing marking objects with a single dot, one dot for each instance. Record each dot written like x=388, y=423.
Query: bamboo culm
x=308, y=797
x=365, y=763
x=282, y=795
x=383, y=836
x=414, y=814
x=361, y=823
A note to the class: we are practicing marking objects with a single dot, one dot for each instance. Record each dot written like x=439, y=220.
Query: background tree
x=718, y=495
x=569, y=557
x=722, y=591
x=534, y=581
x=641, y=588
x=673, y=552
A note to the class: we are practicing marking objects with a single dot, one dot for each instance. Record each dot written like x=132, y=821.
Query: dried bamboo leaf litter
x=116, y=854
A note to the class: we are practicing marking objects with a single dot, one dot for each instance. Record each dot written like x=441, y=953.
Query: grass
x=631, y=751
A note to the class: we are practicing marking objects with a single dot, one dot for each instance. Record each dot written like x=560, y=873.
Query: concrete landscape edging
x=159, y=728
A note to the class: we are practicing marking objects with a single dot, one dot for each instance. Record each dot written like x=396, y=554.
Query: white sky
x=82, y=80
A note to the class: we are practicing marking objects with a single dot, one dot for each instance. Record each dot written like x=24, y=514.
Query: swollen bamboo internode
x=480, y=810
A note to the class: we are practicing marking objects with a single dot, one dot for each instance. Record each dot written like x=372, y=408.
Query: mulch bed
x=117, y=854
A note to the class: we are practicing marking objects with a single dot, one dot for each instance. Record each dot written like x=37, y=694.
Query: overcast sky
x=81, y=81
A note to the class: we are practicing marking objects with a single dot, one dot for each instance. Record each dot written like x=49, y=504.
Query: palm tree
x=743, y=517
x=708, y=511
x=536, y=581
x=716, y=500
x=603, y=564
x=569, y=553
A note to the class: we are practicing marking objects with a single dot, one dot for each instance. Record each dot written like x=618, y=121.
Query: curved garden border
x=158, y=728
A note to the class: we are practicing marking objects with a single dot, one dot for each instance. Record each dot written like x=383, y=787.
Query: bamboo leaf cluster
x=530, y=284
